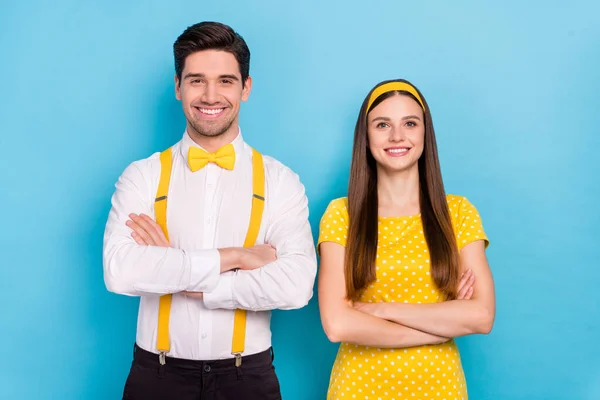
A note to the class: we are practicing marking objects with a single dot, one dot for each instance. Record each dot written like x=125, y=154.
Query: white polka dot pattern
x=403, y=275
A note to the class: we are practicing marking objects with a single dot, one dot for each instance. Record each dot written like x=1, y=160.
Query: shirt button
x=204, y=335
x=207, y=368
x=210, y=185
x=209, y=220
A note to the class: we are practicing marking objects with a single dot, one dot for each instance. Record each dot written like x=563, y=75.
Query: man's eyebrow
x=199, y=75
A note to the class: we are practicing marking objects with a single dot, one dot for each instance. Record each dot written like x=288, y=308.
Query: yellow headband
x=393, y=86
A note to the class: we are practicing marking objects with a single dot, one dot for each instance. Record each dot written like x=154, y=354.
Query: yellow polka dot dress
x=403, y=275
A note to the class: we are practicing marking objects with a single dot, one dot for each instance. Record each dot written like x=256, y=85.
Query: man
x=203, y=231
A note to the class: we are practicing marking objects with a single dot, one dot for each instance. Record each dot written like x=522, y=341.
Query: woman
x=399, y=260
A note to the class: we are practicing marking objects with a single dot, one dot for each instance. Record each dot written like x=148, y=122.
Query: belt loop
x=239, y=373
x=272, y=354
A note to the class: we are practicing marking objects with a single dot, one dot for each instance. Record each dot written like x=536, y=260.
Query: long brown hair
x=361, y=247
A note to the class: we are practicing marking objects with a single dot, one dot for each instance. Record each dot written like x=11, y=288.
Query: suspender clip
x=162, y=357
x=238, y=359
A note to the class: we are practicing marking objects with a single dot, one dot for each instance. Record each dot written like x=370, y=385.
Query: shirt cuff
x=205, y=270
x=222, y=296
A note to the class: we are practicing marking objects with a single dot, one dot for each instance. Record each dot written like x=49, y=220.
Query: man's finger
x=157, y=228
x=195, y=295
x=138, y=239
x=152, y=223
x=147, y=227
x=139, y=230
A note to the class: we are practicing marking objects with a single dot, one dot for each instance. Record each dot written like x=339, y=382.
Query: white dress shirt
x=207, y=210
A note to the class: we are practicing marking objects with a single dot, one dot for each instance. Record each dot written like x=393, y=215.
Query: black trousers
x=181, y=379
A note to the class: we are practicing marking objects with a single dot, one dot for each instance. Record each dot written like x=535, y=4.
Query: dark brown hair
x=211, y=36
x=361, y=248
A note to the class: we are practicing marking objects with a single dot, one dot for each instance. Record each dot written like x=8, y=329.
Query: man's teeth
x=397, y=151
x=210, y=111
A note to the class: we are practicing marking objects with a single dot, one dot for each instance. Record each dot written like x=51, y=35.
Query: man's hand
x=242, y=258
x=193, y=295
x=146, y=232
x=257, y=256
x=246, y=258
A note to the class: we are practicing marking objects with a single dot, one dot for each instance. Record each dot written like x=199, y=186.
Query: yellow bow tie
x=224, y=157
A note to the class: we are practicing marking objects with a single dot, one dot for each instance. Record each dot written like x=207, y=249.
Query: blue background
x=87, y=87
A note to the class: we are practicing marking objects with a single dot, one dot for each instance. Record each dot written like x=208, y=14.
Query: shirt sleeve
x=334, y=223
x=134, y=270
x=468, y=225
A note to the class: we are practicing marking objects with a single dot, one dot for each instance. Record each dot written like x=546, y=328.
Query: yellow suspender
x=258, y=205
x=160, y=208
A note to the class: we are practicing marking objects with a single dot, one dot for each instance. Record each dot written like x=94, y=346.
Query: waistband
x=147, y=358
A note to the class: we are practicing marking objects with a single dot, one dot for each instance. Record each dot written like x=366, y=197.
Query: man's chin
x=210, y=134
x=209, y=131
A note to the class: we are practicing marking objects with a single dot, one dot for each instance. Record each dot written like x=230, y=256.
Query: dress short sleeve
x=334, y=223
x=467, y=223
